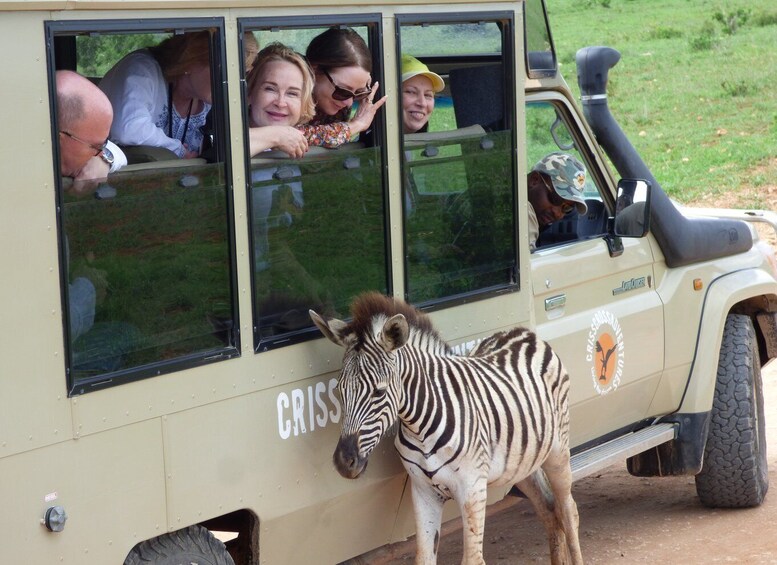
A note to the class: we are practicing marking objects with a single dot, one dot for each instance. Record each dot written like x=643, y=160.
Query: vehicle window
x=547, y=132
x=538, y=43
x=459, y=171
x=318, y=221
x=147, y=254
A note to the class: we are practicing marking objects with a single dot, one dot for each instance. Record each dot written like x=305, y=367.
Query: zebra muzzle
x=347, y=459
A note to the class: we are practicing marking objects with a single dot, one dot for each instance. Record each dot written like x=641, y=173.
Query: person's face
x=199, y=82
x=81, y=142
x=353, y=78
x=549, y=207
x=417, y=103
x=278, y=97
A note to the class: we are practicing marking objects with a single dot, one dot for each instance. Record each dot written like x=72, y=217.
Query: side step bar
x=619, y=449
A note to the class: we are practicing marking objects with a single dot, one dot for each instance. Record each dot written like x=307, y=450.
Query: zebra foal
x=497, y=417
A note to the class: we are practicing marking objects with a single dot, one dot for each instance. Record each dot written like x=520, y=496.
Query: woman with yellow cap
x=419, y=86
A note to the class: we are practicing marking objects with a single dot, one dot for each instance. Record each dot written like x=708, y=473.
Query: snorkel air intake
x=683, y=240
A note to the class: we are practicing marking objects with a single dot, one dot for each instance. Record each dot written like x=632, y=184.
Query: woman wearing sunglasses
x=556, y=185
x=341, y=63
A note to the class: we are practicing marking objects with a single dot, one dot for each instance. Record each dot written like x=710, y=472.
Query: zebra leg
x=472, y=504
x=559, y=475
x=427, y=508
x=537, y=490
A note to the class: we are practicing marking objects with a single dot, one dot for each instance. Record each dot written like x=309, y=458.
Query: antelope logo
x=605, y=351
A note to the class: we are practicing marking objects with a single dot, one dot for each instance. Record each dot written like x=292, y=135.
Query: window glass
x=548, y=132
x=459, y=169
x=146, y=252
x=317, y=221
x=540, y=53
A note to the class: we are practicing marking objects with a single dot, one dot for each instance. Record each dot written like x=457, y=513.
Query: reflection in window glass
x=318, y=236
x=459, y=175
x=459, y=220
x=157, y=258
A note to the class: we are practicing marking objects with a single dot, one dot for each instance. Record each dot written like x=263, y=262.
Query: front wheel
x=734, y=472
x=192, y=545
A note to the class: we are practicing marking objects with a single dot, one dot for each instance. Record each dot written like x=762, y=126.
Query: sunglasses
x=555, y=199
x=97, y=148
x=343, y=94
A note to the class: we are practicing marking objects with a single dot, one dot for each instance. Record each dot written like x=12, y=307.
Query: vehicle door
x=598, y=308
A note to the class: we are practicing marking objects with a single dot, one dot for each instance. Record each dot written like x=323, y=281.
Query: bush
x=765, y=19
x=705, y=40
x=664, y=33
x=738, y=88
x=731, y=21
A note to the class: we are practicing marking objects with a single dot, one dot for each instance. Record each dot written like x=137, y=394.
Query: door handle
x=555, y=302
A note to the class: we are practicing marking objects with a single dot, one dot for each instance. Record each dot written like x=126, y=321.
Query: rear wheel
x=734, y=472
x=191, y=546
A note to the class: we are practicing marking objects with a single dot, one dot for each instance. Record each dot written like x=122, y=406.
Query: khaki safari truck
x=195, y=395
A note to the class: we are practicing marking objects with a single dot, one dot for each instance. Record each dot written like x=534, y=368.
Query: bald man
x=84, y=118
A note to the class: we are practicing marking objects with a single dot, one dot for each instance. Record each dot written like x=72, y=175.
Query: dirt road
x=625, y=519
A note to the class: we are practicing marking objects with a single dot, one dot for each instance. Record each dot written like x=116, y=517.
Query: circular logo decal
x=604, y=350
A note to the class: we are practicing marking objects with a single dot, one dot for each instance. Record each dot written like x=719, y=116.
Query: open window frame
x=307, y=249
x=184, y=325
x=447, y=257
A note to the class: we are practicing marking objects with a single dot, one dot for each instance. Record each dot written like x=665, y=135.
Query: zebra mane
x=371, y=305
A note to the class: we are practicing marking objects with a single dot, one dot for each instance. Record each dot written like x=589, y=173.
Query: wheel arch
x=241, y=539
x=749, y=292
x=752, y=292
x=244, y=548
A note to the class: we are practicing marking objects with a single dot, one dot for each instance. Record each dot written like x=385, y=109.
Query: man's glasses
x=343, y=94
x=555, y=199
x=97, y=148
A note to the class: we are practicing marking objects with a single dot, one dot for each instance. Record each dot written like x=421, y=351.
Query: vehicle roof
x=80, y=5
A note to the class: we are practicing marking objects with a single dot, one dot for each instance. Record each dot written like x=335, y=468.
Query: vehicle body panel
x=256, y=432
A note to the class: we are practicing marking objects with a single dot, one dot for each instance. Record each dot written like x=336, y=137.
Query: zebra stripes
x=494, y=418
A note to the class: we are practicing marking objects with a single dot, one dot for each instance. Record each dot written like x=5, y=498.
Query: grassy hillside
x=694, y=90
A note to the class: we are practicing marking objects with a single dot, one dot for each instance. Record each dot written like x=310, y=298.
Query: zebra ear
x=332, y=329
x=394, y=334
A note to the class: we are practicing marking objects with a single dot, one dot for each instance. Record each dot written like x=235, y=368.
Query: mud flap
x=682, y=456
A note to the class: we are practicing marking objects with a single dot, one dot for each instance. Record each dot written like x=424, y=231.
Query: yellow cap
x=412, y=67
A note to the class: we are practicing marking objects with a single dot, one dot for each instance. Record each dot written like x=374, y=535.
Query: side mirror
x=632, y=208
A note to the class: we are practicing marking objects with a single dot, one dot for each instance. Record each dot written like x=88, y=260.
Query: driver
x=555, y=188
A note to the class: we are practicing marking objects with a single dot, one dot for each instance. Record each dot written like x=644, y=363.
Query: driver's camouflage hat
x=567, y=175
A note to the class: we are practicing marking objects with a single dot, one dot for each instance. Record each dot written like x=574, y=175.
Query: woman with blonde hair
x=280, y=100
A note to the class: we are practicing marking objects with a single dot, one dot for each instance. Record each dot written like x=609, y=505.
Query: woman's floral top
x=328, y=131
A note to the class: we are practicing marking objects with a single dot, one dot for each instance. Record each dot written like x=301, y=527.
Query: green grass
x=694, y=95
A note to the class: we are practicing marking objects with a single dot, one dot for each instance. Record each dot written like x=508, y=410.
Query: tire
x=191, y=546
x=734, y=471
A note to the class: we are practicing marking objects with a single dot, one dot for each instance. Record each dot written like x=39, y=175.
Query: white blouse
x=140, y=97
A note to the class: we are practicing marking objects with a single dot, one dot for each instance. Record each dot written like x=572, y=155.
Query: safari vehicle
x=202, y=399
